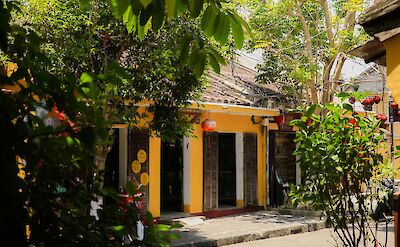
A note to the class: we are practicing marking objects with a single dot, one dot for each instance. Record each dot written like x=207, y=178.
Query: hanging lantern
x=368, y=102
x=208, y=125
x=377, y=99
x=280, y=120
x=394, y=105
x=381, y=117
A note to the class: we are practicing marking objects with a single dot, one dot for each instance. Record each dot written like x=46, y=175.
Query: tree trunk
x=313, y=88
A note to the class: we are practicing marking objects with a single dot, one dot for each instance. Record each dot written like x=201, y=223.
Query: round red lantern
x=280, y=120
x=208, y=125
x=377, y=99
x=394, y=105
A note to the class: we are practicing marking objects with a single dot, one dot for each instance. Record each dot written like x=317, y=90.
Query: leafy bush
x=342, y=163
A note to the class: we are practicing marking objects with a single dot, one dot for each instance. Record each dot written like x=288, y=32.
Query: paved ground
x=246, y=227
x=321, y=238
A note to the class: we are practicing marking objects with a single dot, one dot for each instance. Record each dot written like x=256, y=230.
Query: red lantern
x=280, y=120
x=394, y=105
x=381, y=117
x=352, y=121
x=208, y=125
x=368, y=102
x=377, y=99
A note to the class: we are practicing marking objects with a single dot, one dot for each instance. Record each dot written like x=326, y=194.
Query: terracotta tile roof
x=239, y=87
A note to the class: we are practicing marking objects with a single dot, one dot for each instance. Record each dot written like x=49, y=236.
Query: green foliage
x=70, y=55
x=216, y=20
x=163, y=67
x=278, y=30
x=341, y=159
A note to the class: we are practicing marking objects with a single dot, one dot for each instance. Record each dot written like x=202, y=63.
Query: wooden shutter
x=250, y=168
x=210, y=171
x=139, y=139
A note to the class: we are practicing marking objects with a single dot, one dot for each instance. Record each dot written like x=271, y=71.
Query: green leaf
x=223, y=26
x=69, y=140
x=398, y=147
x=214, y=63
x=195, y=7
x=119, y=7
x=118, y=228
x=311, y=110
x=145, y=3
x=86, y=78
x=342, y=95
x=171, y=8
x=335, y=157
x=157, y=17
x=142, y=30
x=242, y=22
x=130, y=20
x=348, y=107
x=339, y=168
x=237, y=32
x=217, y=55
x=162, y=227
x=208, y=21
x=197, y=61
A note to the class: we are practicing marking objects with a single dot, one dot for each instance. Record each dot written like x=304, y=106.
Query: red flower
x=59, y=115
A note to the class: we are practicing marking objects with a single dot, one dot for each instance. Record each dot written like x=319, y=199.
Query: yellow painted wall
x=154, y=176
x=392, y=46
x=229, y=119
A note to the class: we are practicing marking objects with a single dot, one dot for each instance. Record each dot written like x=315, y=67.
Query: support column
x=123, y=156
x=154, y=176
x=186, y=174
x=239, y=170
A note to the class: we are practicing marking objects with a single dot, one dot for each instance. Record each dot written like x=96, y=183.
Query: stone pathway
x=246, y=227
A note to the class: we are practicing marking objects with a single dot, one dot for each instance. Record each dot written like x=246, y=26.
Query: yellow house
x=382, y=21
x=222, y=168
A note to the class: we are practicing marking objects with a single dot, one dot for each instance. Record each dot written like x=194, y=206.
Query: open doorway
x=226, y=170
x=171, y=177
x=282, y=166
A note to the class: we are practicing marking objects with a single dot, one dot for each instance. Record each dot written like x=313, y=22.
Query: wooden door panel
x=250, y=168
x=210, y=171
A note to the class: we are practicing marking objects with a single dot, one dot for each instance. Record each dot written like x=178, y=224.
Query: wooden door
x=210, y=171
x=250, y=168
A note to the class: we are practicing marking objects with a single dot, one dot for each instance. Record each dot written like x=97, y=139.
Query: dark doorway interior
x=171, y=176
x=226, y=170
x=111, y=176
x=282, y=165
